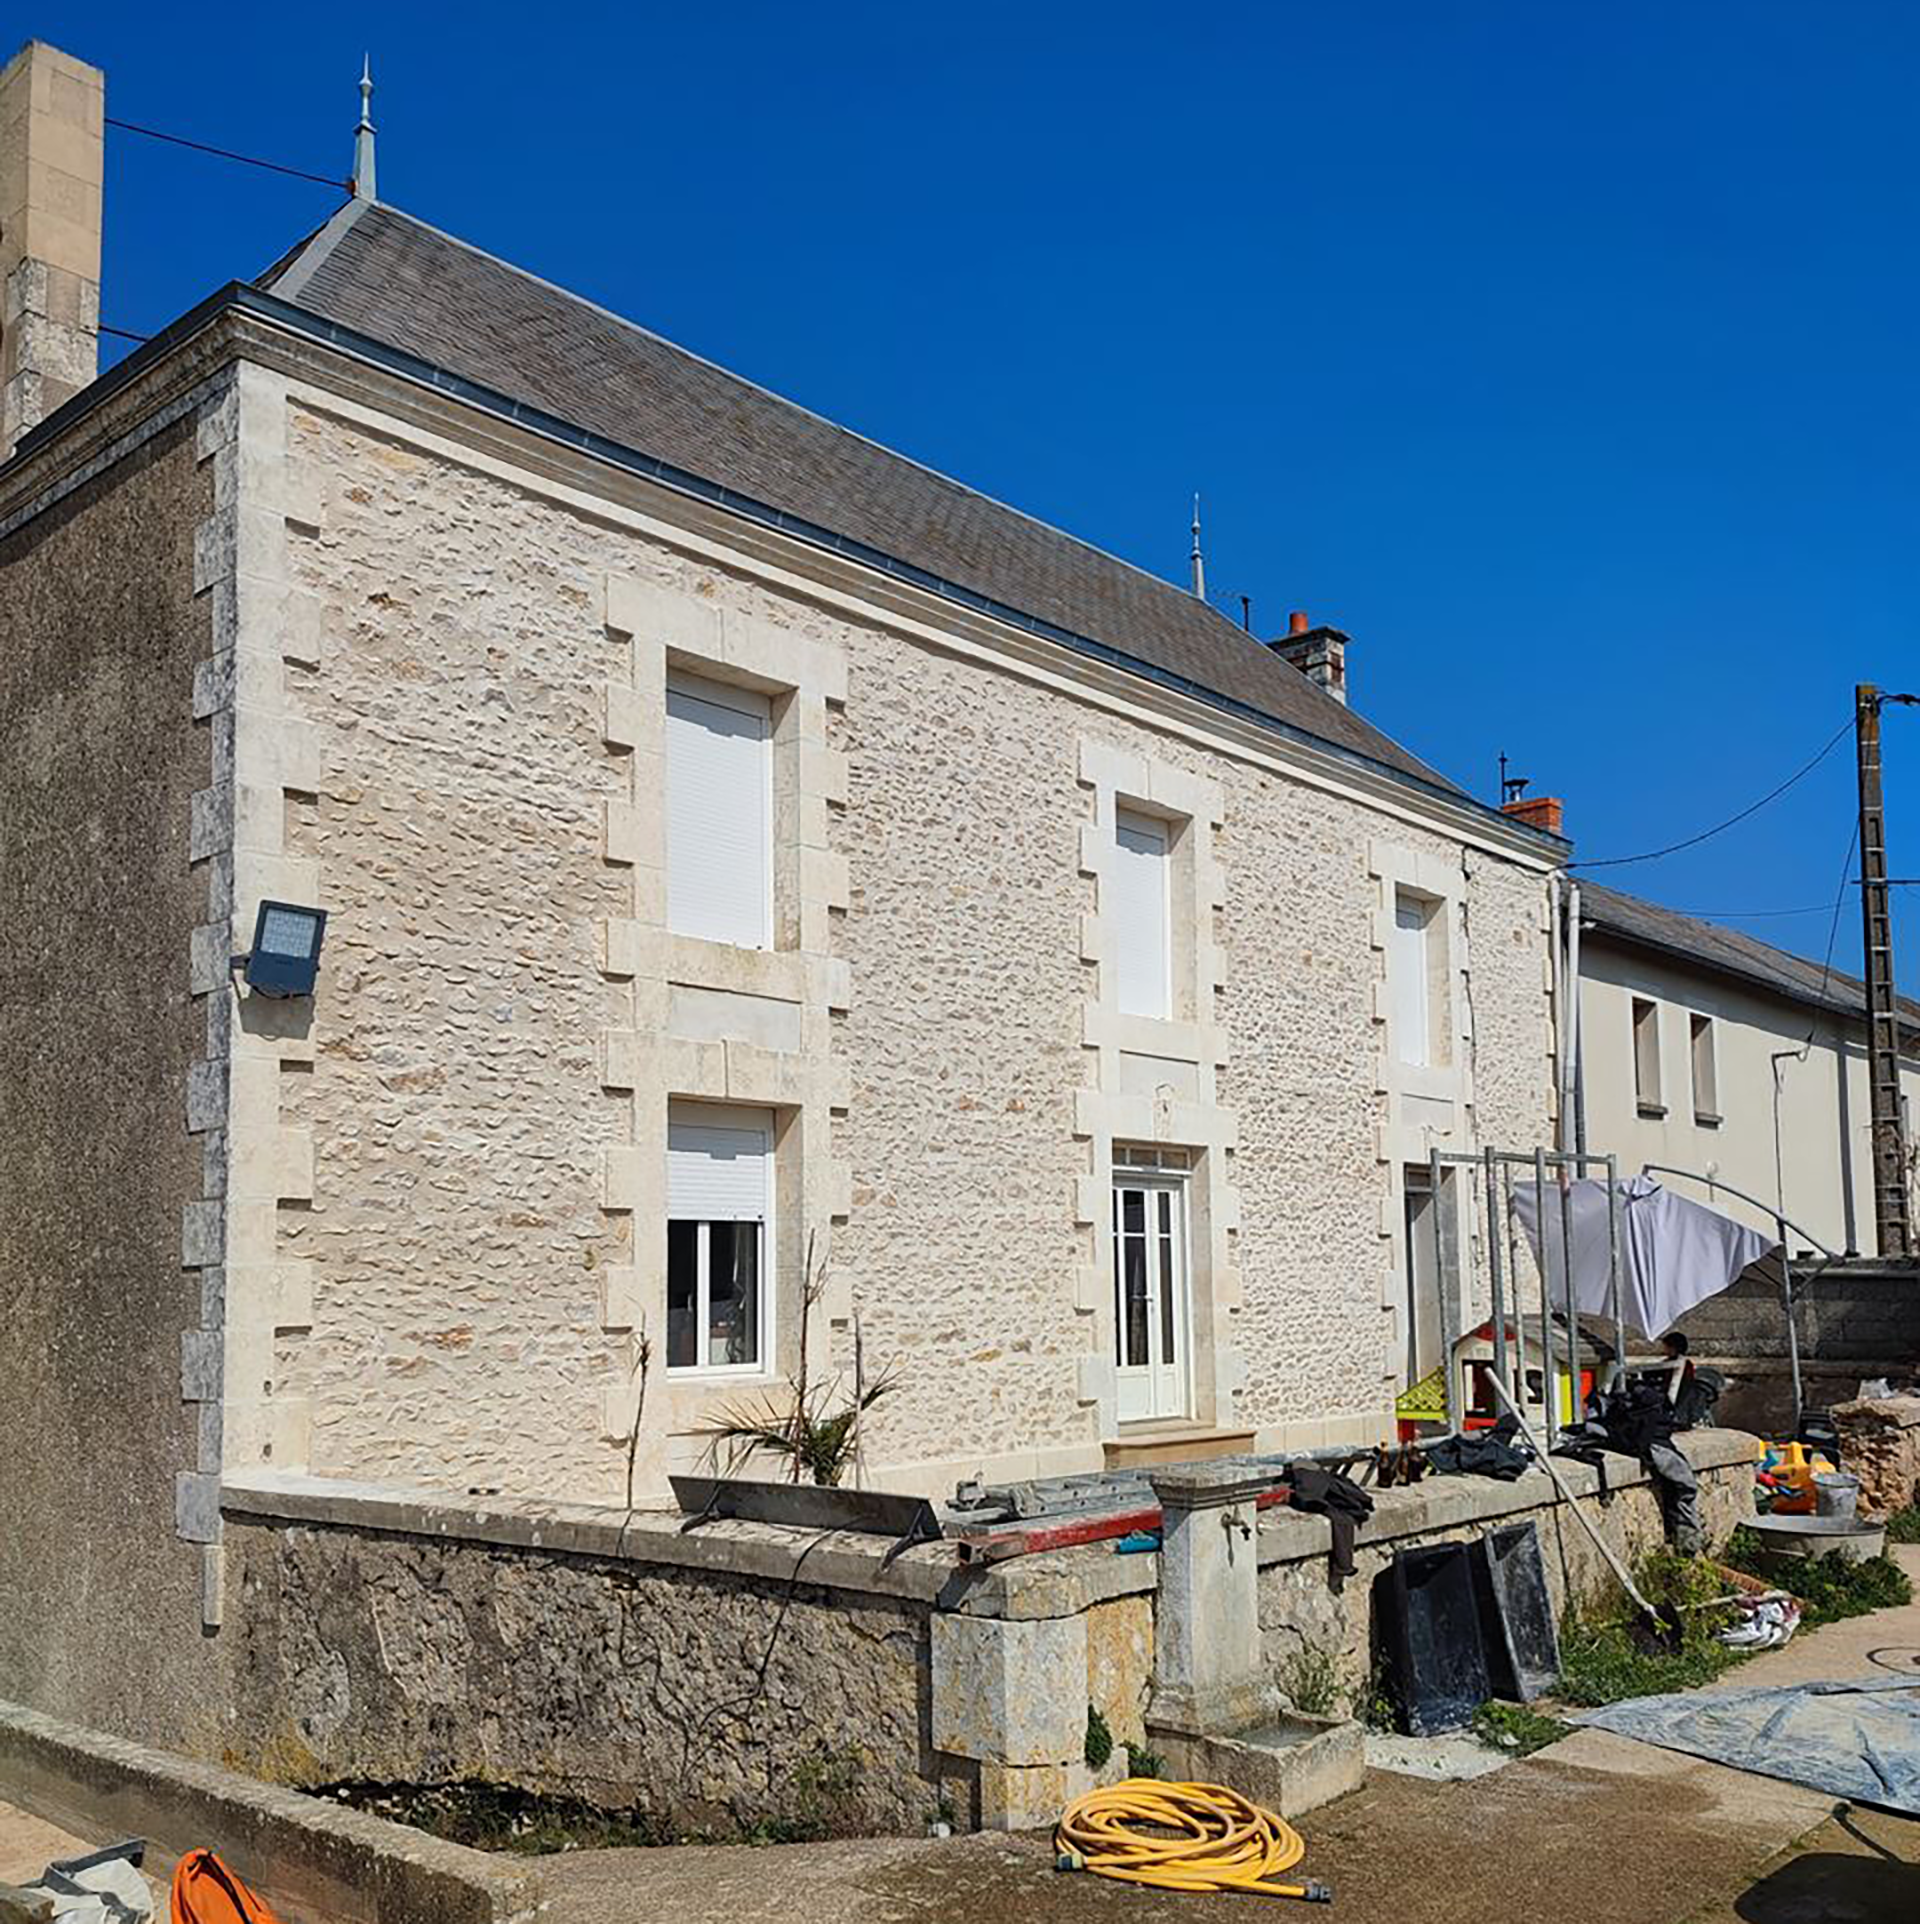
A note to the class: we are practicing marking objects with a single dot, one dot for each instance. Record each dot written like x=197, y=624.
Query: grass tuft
x=1517, y=1728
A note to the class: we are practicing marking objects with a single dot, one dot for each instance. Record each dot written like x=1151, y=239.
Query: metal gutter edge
x=245, y=298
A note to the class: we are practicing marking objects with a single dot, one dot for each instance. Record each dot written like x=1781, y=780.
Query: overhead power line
x=124, y=333
x=1720, y=828
x=1751, y=915
x=227, y=153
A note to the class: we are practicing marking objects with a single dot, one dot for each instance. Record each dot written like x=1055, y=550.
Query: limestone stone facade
x=474, y=698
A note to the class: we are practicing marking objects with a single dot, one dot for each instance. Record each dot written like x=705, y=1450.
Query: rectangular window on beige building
x=1646, y=1057
x=1706, y=1071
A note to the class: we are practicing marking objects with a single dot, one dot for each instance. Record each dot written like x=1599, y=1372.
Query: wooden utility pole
x=1892, y=1202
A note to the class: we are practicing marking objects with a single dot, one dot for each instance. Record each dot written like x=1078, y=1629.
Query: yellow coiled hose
x=1219, y=1841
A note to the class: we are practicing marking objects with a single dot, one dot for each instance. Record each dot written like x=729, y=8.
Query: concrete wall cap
x=1204, y=1486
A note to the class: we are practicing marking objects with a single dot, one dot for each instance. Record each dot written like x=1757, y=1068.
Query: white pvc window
x=1151, y=1310
x=719, y=1242
x=1141, y=934
x=719, y=813
x=1410, y=978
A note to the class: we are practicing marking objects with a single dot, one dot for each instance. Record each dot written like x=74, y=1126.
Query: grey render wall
x=99, y=756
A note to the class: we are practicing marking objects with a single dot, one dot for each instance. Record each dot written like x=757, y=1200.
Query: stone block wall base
x=1293, y=1764
x=1028, y=1796
x=1010, y=1693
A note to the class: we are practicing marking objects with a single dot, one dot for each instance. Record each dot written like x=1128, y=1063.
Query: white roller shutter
x=1411, y=990
x=1142, y=966
x=719, y=868
x=719, y=1173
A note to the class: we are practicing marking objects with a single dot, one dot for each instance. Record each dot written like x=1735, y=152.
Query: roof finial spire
x=1199, y=560
x=363, y=187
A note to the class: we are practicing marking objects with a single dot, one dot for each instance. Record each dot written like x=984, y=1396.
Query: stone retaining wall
x=746, y=1674
x=1880, y=1444
x=1300, y=1613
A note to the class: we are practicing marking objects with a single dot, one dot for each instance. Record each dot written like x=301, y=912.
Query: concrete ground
x=1597, y=1827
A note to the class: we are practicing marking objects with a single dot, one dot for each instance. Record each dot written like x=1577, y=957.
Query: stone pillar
x=52, y=170
x=1209, y=1677
x=1880, y=1444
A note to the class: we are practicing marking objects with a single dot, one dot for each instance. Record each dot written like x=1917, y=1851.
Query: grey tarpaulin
x=1859, y=1740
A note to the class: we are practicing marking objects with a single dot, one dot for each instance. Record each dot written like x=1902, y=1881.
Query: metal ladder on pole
x=1892, y=1201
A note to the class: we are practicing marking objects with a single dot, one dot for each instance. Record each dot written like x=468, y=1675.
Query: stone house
x=769, y=886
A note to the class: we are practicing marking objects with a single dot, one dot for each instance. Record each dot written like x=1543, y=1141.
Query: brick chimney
x=1537, y=811
x=1319, y=653
x=52, y=152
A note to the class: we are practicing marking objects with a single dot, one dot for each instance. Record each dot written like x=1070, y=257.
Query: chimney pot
x=1538, y=811
x=52, y=170
x=1297, y=623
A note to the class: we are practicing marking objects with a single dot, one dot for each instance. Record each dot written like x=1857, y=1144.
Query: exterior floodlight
x=286, y=949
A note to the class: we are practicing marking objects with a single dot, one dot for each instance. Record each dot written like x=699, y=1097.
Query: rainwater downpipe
x=1780, y=1220
x=1556, y=962
x=1576, y=1077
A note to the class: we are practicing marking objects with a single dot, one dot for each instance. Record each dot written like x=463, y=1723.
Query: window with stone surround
x=1417, y=978
x=1143, y=914
x=719, y=1236
x=719, y=807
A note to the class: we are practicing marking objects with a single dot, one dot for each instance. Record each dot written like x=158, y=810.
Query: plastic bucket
x=1836, y=1496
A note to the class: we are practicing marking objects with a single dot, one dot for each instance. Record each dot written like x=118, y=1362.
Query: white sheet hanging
x=1675, y=1253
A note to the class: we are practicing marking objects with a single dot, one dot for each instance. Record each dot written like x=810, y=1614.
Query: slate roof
x=1724, y=951
x=384, y=275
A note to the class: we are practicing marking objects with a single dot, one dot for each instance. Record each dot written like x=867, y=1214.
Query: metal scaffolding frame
x=1496, y=1167
x=1504, y=1272
x=1782, y=1223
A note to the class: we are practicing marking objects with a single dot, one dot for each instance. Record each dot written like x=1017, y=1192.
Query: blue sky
x=1565, y=357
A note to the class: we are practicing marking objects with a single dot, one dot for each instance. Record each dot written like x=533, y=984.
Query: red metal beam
x=996, y=1546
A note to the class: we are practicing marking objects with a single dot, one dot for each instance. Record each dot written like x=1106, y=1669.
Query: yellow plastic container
x=1795, y=1472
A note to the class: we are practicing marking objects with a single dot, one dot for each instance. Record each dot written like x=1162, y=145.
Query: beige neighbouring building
x=1706, y=1050
x=740, y=846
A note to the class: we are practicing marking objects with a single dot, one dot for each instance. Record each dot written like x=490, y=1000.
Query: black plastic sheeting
x=1859, y=1740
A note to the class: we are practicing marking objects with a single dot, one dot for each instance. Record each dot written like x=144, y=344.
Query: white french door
x=1151, y=1310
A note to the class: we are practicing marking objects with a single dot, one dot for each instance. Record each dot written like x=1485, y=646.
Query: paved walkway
x=1598, y=1827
